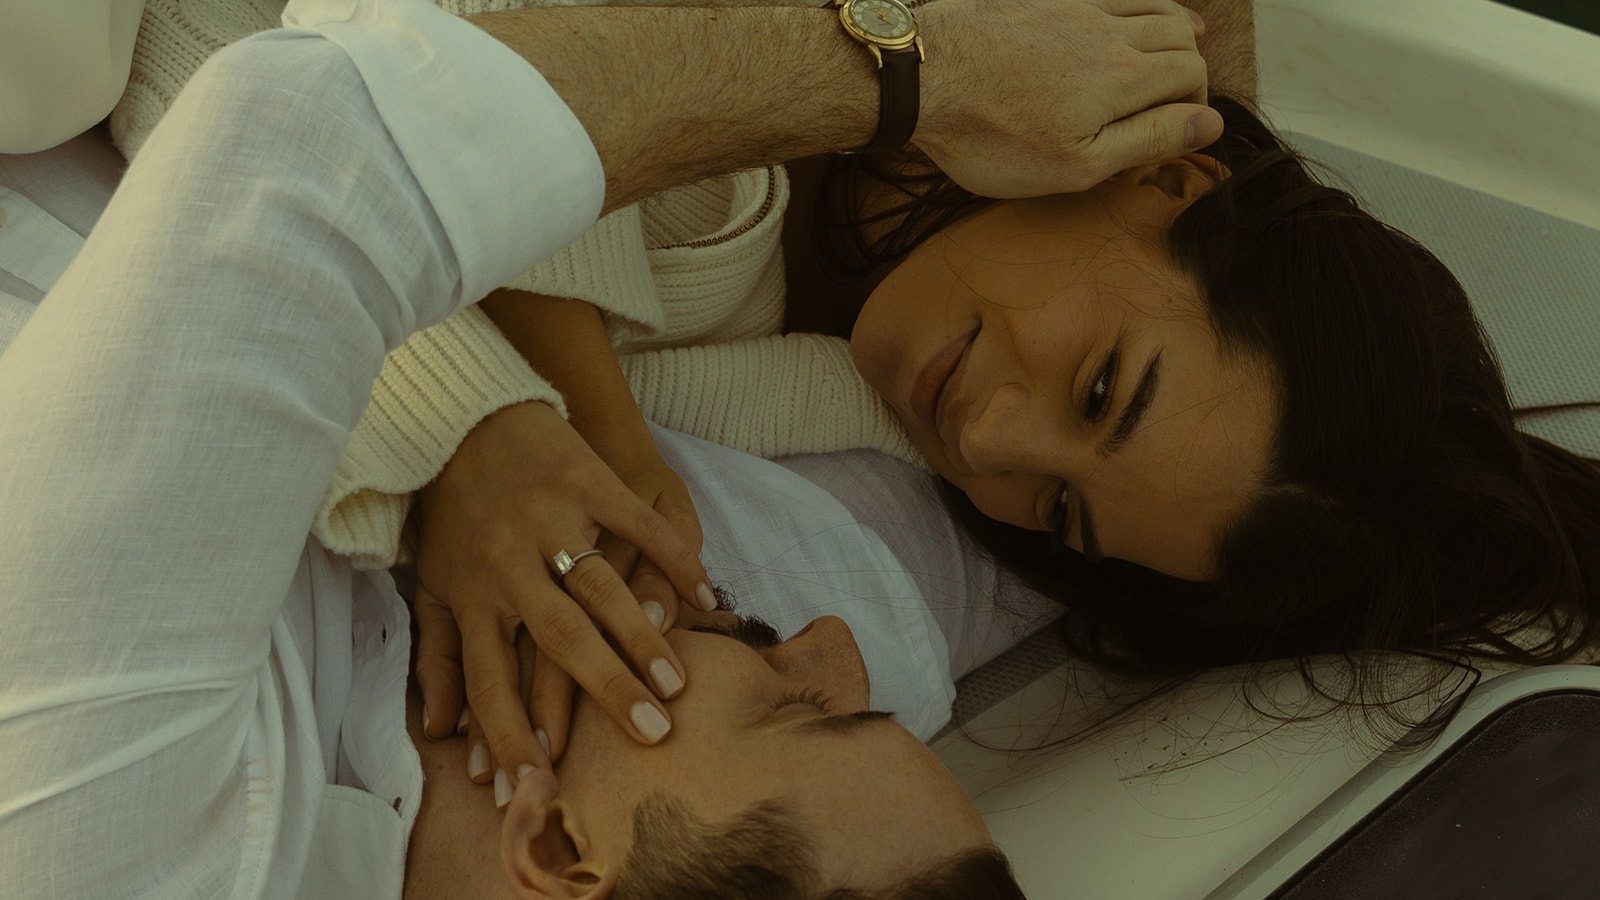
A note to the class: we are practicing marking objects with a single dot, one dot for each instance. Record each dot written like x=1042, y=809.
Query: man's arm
x=1229, y=45
x=173, y=412
x=1018, y=99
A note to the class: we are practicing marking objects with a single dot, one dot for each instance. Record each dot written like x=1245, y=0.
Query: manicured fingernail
x=543, y=739
x=1195, y=18
x=523, y=771
x=707, y=598
x=463, y=720
x=502, y=789
x=1204, y=129
x=650, y=722
x=425, y=722
x=653, y=611
x=666, y=677
x=478, y=760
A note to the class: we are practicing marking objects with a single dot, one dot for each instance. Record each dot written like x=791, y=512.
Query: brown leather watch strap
x=899, y=100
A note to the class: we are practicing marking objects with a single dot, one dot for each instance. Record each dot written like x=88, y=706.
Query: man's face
x=782, y=721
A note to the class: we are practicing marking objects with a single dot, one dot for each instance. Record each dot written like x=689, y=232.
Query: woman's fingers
x=499, y=735
x=572, y=643
x=660, y=541
x=438, y=666
x=550, y=705
x=528, y=675
x=619, y=553
x=655, y=594
x=659, y=603
x=608, y=601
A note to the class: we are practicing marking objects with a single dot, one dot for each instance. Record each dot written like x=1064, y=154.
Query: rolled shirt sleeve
x=174, y=409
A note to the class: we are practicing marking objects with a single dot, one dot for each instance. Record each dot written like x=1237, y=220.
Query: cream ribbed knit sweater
x=691, y=281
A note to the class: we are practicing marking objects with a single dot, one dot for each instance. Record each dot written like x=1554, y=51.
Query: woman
x=1396, y=506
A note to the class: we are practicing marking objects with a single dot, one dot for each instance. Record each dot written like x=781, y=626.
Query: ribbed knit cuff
x=717, y=259
x=607, y=267
x=174, y=39
x=434, y=388
x=770, y=396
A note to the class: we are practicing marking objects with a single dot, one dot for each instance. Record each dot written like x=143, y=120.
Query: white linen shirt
x=178, y=659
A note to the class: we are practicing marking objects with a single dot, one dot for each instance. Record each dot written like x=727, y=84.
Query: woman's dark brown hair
x=1403, y=510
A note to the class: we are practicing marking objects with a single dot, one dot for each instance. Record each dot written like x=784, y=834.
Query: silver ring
x=564, y=561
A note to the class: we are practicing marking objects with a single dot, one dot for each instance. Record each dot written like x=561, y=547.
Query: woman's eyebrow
x=1134, y=411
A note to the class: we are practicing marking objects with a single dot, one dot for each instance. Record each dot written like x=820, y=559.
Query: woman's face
x=1051, y=362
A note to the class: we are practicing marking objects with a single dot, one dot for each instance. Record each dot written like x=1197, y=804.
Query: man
x=199, y=701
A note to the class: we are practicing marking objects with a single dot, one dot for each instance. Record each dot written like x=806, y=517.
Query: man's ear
x=543, y=845
x=1185, y=178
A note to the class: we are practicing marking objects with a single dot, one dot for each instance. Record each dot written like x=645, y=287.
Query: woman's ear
x=1185, y=178
x=546, y=853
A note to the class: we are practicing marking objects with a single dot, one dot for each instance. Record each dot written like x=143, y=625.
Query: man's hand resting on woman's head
x=1129, y=82
x=522, y=487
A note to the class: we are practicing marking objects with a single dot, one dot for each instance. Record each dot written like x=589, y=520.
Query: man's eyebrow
x=849, y=723
x=751, y=631
x=1134, y=411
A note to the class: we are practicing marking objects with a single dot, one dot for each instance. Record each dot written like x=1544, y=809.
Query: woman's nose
x=1011, y=435
x=823, y=656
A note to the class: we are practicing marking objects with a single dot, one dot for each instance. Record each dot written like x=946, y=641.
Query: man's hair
x=763, y=855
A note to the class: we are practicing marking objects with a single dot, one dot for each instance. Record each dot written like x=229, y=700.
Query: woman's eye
x=1100, y=392
x=1059, y=517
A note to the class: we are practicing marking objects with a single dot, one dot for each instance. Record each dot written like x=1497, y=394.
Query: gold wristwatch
x=889, y=32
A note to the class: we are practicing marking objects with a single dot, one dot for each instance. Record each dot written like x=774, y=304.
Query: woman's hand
x=522, y=487
x=626, y=447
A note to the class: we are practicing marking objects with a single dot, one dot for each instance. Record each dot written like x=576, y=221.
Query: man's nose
x=823, y=656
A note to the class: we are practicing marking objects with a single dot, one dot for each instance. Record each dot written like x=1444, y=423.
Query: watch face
x=881, y=18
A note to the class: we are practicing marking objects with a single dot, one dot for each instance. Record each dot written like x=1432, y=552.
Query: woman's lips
x=928, y=390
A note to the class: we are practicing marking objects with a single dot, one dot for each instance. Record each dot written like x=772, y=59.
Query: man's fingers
x=1147, y=8
x=1153, y=136
x=1154, y=34
x=438, y=665
x=1146, y=80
